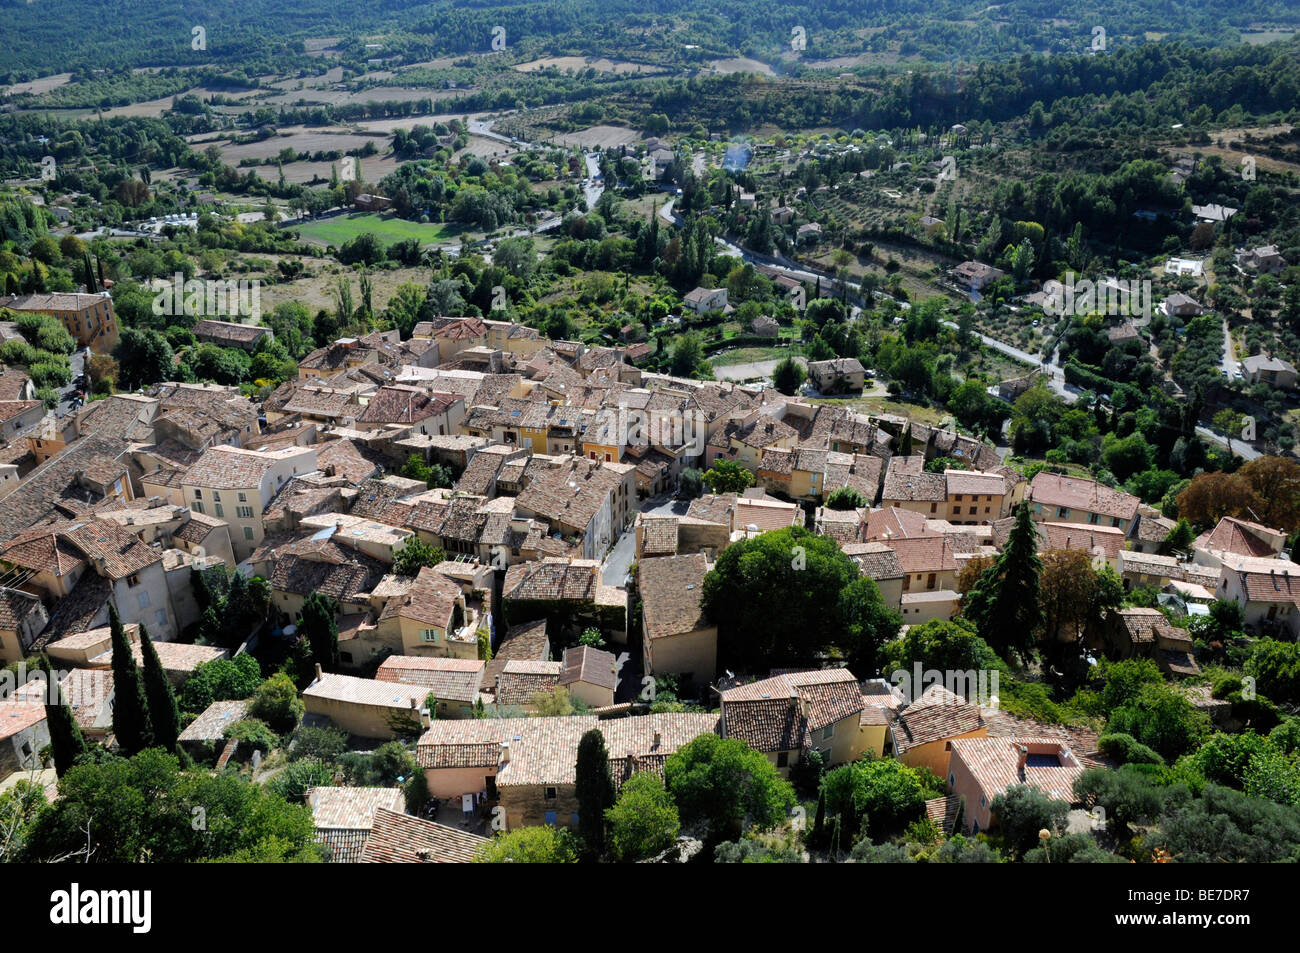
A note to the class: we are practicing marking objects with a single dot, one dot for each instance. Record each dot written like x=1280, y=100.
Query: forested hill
x=47, y=36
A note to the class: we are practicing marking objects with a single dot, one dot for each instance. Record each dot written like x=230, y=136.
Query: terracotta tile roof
x=925, y=554
x=60, y=547
x=347, y=581
x=993, y=762
x=780, y=713
x=937, y=715
x=672, y=588
x=590, y=665
x=430, y=599
x=229, y=468
x=77, y=611
x=15, y=606
x=55, y=484
x=523, y=642
x=876, y=560
x=398, y=404
x=1239, y=537
x=397, y=838
x=16, y=716
x=943, y=811
x=545, y=750
x=211, y=725
x=350, y=808
x=1077, y=493
x=450, y=679
x=520, y=680
x=913, y=487
x=549, y=579
x=366, y=691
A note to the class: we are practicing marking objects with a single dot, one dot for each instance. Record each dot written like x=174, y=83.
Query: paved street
x=614, y=570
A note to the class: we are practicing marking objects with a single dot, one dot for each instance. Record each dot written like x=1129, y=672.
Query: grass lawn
x=389, y=228
x=748, y=355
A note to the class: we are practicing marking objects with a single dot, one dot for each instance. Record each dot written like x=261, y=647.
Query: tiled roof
x=55, y=483
x=211, y=725
x=15, y=606
x=397, y=838
x=672, y=588
x=590, y=665
x=937, y=715
x=925, y=554
x=876, y=560
x=913, y=487
x=449, y=679
x=545, y=750
x=779, y=713
x=1077, y=493
x=527, y=642
x=1235, y=536
x=366, y=691
x=550, y=579
x=57, y=547
x=430, y=599
x=993, y=762
x=16, y=716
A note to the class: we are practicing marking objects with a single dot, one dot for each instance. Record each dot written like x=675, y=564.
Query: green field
x=336, y=231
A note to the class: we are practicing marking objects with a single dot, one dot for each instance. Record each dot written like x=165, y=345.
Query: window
x=982, y=800
x=1092, y=518
x=220, y=511
x=143, y=599
x=929, y=582
x=198, y=495
x=550, y=819
x=196, y=506
x=828, y=732
x=244, y=512
x=783, y=759
x=934, y=507
x=1062, y=511
x=161, y=616
x=428, y=635
x=957, y=498
x=243, y=497
x=216, y=496
x=133, y=580
x=551, y=794
x=956, y=510
x=573, y=819
x=248, y=532
x=952, y=780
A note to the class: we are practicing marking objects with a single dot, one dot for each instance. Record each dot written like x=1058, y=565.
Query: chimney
x=1022, y=755
x=658, y=738
x=505, y=753
x=319, y=674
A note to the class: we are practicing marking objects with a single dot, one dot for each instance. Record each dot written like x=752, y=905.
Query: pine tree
x=1004, y=602
x=130, y=712
x=164, y=715
x=65, y=734
x=595, y=789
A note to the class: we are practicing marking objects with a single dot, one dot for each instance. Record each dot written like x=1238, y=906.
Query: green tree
x=1004, y=602
x=724, y=784
x=144, y=357
x=727, y=476
x=789, y=376
x=1023, y=811
x=846, y=498
x=415, y=555
x=318, y=624
x=594, y=787
x=130, y=708
x=530, y=845
x=66, y=740
x=164, y=716
x=644, y=821
x=276, y=702
x=887, y=793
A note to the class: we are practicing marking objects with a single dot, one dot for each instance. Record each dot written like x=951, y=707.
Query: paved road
x=614, y=569
x=1230, y=368
x=1241, y=449
x=78, y=362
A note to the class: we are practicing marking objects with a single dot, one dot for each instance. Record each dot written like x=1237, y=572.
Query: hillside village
x=557, y=584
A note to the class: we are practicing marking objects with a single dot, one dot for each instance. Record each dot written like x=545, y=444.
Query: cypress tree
x=66, y=738
x=905, y=444
x=594, y=786
x=130, y=711
x=318, y=623
x=164, y=715
x=1004, y=602
x=819, y=822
